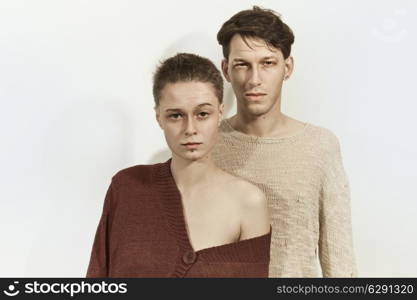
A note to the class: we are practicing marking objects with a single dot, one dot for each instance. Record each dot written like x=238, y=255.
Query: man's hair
x=185, y=67
x=257, y=23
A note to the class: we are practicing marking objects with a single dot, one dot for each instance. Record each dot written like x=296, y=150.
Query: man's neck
x=271, y=124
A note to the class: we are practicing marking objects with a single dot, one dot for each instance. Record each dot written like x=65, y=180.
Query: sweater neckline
x=174, y=210
x=266, y=140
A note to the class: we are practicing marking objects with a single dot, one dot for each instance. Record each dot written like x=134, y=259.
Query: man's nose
x=254, y=78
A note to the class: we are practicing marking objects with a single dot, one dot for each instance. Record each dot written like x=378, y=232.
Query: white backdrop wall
x=77, y=106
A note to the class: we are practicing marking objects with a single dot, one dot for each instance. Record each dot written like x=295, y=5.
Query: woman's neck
x=190, y=174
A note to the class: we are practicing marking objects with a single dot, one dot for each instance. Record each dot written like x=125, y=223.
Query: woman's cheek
x=213, y=129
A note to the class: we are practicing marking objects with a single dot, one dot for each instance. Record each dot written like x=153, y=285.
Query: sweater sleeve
x=99, y=259
x=335, y=241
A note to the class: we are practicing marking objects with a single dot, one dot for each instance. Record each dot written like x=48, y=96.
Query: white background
x=76, y=107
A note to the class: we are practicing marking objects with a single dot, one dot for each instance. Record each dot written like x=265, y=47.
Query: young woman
x=185, y=217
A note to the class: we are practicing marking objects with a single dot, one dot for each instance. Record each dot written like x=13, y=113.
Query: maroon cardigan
x=142, y=233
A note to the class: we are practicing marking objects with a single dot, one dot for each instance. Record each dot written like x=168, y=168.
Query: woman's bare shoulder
x=250, y=202
x=247, y=193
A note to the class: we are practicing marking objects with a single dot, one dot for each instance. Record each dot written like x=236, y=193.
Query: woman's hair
x=186, y=67
x=257, y=23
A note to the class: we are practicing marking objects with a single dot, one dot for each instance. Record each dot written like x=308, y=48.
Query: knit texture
x=308, y=195
x=142, y=233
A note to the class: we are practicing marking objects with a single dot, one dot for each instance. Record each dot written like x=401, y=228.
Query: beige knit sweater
x=308, y=196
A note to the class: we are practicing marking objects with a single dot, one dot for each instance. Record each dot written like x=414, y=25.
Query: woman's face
x=189, y=113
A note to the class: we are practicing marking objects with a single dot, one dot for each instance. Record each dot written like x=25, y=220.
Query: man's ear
x=157, y=116
x=289, y=67
x=225, y=69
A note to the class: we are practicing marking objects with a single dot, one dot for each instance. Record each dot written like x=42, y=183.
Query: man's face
x=256, y=74
x=189, y=113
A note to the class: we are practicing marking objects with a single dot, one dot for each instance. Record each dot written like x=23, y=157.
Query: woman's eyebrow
x=204, y=104
x=179, y=109
x=173, y=109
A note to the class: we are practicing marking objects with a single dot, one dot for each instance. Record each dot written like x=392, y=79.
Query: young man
x=296, y=164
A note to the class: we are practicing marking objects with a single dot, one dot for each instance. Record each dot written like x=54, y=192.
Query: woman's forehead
x=186, y=95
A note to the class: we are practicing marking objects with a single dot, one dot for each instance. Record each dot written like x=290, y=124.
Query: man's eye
x=241, y=65
x=269, y=63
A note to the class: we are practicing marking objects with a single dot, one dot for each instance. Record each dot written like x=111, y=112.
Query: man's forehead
x=248, y=45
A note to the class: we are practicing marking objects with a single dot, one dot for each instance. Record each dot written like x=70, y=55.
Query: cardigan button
x=189, y=257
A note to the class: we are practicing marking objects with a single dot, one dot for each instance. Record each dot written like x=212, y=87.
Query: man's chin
x=256, y=109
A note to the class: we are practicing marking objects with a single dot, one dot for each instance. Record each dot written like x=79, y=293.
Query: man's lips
x=254, y=96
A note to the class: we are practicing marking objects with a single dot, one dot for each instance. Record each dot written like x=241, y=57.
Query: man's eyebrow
x=269, y=57
x=238, y=59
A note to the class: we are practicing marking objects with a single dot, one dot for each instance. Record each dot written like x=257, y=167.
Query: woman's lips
x=191, y=145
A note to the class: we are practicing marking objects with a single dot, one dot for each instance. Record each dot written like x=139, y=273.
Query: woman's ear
x=158, y=116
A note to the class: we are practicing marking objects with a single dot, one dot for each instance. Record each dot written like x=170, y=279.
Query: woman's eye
x=203, y=114
x=175, y=116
